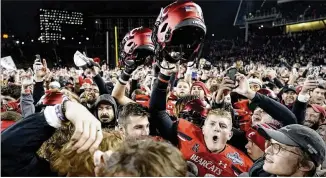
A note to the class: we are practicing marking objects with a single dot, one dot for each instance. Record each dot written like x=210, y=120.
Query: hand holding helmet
x=136, y=48
x=81, y=60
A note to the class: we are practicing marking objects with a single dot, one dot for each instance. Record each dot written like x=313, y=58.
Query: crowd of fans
x=301, y=47
x=254, y=109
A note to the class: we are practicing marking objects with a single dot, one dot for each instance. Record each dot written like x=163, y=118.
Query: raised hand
x=226, y=86
x=40, y=69
x=88, y=133
x=169, y=68
x=308, y=85
x=244, y=88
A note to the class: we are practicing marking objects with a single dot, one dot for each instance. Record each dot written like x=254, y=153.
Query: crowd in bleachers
x=302, y=47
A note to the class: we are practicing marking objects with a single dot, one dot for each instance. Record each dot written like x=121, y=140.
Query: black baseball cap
x=299, y=136
x=289, y=88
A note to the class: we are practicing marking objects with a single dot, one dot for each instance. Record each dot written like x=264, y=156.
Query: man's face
x=260, y=117
x=90, y=94
x=281, y=160
x=322, y=132
x=318, y=96
x=105, y=113
x=311, y=118
x=254, y=87
x=182, y=89
x=198, y=91
x=253, y=150
x=96, y=91
x=289, y=97
x=217, y=131
x=137, y=126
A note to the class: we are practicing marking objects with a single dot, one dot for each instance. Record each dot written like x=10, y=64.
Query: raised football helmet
x=179, y=32
x=137, y=47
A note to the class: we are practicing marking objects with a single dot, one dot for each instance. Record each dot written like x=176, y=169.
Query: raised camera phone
x=231, y=73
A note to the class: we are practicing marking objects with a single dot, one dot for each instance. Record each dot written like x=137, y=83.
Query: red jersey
x=229, y=163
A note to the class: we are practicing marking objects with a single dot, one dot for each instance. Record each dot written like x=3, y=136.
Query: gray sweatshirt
x=26, y=104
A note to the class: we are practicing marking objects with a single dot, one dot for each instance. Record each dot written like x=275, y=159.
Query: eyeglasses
x=277, y=147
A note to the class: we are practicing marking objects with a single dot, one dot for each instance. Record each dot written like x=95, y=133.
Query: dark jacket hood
x=108, y=99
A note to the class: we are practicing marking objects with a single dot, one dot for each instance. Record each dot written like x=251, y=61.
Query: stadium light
x=87, y=38
x=32, y=41
x=79, y=42
x=72, y=38
x=17, y=42
x=213, y=34
x=262, y=26
x=23, y=43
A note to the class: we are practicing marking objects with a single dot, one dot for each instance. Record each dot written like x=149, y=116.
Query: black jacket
x=19, y=144
x=103, y=88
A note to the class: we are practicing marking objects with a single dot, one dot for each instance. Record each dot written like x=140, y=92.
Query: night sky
x=21, y=17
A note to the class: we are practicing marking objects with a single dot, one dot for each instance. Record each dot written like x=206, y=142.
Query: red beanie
x=97, y=60
x=318, y=109
x=255, y=137
x=202, y=85
x=88, y=80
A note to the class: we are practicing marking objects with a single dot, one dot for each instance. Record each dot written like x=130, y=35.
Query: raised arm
x=301, y=103
x=275, y=109
x=21, y=141
x=159, y=118
x=119, y=90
